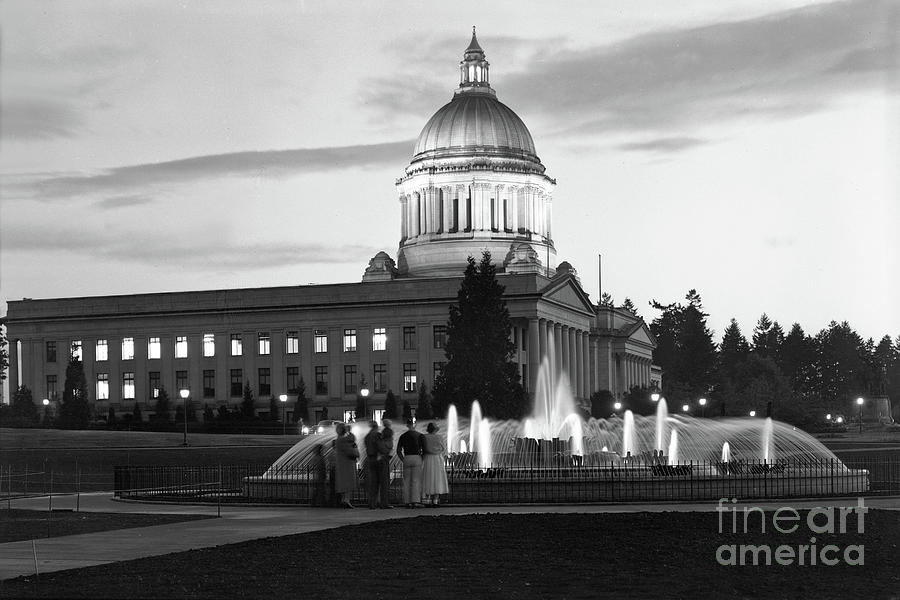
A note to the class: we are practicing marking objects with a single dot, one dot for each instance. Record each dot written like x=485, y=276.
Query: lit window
x=102, y=352
x=76, y=349
x=321, y=341
x=379, y=338
x=409, y=338
x=51, y=387
x=321, y=381
x=237, y=348
x=264, y=345
x=349, y=340
x=440, y=336
x=265, y=382
x=209, y=383
x=127, y=348
x=128, y=386
x=349, y=379
x=154, y=384
x=292, y=343
x=237, y=382
x=102, y=386
x=153, y=348
x=181, y=346
x=209, y=344
x=409, y=377
x=379, y=380
x=349, y=416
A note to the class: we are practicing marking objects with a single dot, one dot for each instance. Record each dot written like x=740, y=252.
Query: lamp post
x=860, y=402
x=184, y=396
x=702, y=403
x=283, y=398
x=617, y=406
x=655, y=396
x=364, y=392
x=752, y=413
x=685, y=408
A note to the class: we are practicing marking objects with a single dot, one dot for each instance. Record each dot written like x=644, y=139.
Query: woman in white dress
x=434, y=475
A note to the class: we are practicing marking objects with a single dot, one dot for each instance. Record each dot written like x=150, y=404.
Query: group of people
x=422, y=456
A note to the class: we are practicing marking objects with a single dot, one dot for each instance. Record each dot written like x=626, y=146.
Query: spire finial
x=473, y=30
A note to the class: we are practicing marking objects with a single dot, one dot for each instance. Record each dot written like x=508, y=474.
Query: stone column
x=586, y=364
x=447, y=199
x=579, y=364
x=534, y=353
x=477, y=196
x=564, y=353
x=573, y=368
x=542, y=339
x=514, y=209
x=415, y=230
x=556, y=362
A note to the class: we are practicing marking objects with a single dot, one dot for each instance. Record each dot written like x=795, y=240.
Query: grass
x=18, y=524
x=632, y=555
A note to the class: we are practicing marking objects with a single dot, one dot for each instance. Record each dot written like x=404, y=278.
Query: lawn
x=32, y=524
x=630, y=555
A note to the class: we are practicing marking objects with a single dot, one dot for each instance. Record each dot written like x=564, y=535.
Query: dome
x=475, y=124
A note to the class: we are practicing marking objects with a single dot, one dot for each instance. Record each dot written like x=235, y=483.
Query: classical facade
x=474, y=183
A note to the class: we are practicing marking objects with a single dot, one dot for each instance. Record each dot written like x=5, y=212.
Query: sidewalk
x=243, y=523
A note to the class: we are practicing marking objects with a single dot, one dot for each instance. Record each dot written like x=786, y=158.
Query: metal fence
x=529, y=484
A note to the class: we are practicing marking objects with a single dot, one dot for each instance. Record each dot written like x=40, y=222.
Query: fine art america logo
x=786, y=520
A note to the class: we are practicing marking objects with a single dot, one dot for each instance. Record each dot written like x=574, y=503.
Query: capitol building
x=475, y=182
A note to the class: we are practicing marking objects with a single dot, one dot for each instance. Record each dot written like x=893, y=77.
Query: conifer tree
x=248, y=410
x=74, y=412
x=390, y=405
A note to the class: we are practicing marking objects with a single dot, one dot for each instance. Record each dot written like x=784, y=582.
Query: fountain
x=706, y=457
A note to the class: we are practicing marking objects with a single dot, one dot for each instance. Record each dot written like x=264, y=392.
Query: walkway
x=243, y=523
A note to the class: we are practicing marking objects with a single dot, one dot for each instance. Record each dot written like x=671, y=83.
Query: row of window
x=264, y=381
x=263, y=344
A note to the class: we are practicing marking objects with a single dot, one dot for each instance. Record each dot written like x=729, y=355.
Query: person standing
x=409, y=449
x=434, y=473
x=387, y=436
x=345, y=455
x=376, y=467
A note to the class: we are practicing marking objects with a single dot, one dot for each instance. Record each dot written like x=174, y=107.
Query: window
x=409, y=338
x=378, y=415
x=153, y=348
x=321, y=381
x=102, y=351
x=209, y=344
x=181, y=346
x=52, y=392
x=51, y=351
x=292, y=343
x=209, y=383
x=379, y=380
x=349, y=340
x=76, y=349
x=265, y=382
x=237, y=382
x=349, y=379
x=181, y=382
x=321, y=339
x=292, y=380
x=440, y=336
x=237, y=348
x=349, y=416
x=128, y=386
x=128, y=348
x=102, y=386
x=438, y=370
x=379, y=338
x=409, y=377
x=154, y=384
x=264, y=344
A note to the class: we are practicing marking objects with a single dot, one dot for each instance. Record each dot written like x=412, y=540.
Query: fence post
x=219, y=494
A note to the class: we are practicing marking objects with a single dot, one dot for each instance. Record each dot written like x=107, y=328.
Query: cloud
x=663, y=145
x=265, y=164
x=38, y=119
x=115, y=202
x=173, y=249
x=669, y=82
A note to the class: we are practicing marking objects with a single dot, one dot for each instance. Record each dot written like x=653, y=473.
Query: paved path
x=242, y=523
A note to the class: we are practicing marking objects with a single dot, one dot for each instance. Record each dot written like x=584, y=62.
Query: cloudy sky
x=747, y=149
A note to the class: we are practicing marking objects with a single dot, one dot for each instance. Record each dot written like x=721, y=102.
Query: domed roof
x=475, y=124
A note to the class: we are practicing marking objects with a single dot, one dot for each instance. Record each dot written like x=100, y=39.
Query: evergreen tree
x=136, y=414
x=390, y=405
x=734, y=347
x=841, y=366
x=407, y=411
x=630, y=307
x=162, y=406
x=4, y=354
x=248, y=410
x=424, y=410
x=111, y=417
x=479, y=349
x=75, y=412
x=208, y=415
x=606, y=299
x=768, y=337
x=301, y=406
x=883, y=358
x=360, y=409
x=274, y=408
x=22, y=409
x=601, y=404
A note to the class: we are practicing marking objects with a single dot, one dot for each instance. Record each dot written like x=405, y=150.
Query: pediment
x=568, y=293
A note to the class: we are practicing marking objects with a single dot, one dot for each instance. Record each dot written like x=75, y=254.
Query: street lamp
x=184, y=396
x=283, y=398
x=617, y=406
x=702, y=403
x=364, y=392
x=828, y=417
x=655, y=396
x=859, y=402
x=685, y=408
x=752, y=413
